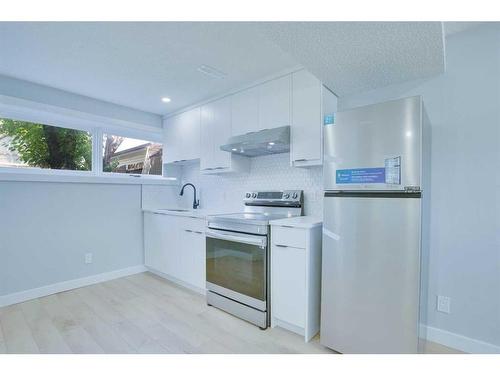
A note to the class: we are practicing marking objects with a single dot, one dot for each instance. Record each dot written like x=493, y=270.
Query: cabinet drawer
x=286, y=236
x=192, y=224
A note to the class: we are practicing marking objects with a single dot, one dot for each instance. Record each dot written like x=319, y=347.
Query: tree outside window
x=27, y=144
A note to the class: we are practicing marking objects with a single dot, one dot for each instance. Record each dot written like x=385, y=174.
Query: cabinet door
x=215, y=131
x=171, y=139
x=170, y=239
x=190, y=134
x=181, y=136
x=222, y=132
x=289, y=284
x=191, y=251
x=154, y=255
x=197, y=256
x=306, y=136
x=207, y=130
x=160, y=242
x=274, y=99
x=245, y=111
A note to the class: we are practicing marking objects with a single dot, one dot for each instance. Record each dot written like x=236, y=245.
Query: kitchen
x=300, y=206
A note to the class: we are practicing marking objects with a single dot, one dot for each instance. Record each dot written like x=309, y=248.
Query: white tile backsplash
x=272, y=172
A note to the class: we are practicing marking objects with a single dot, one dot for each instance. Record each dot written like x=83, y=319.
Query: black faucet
x=196, y=203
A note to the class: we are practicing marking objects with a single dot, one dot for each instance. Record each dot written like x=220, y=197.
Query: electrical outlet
x=443, y=304
x=88, y=258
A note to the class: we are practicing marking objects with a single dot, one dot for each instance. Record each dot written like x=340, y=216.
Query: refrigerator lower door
x=371, y=273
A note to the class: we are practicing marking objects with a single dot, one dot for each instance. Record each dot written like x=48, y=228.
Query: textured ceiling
x=352, y=57
x=135, y=64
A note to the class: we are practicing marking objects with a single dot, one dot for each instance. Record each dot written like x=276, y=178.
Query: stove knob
x=247, y=195
x=286, y=195
x=254, y=195
x=294, y=195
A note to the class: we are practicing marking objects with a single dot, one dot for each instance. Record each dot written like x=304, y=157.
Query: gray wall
x=46, y=228
x=464, y=109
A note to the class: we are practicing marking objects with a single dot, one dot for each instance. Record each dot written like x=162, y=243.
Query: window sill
x=84, y=178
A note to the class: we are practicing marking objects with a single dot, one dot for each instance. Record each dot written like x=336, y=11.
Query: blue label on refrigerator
x=329, y=119
x=360, y=176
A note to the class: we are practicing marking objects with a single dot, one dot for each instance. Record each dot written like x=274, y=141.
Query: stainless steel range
x=238, y=254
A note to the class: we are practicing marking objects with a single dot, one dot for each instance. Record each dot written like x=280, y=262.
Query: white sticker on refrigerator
x=393, y=171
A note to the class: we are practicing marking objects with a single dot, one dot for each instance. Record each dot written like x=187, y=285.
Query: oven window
x=237, y=266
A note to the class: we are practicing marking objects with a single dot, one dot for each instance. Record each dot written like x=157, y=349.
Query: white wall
x=46, y=228
x=464, y=109
x=17, y=88
x=225, y=193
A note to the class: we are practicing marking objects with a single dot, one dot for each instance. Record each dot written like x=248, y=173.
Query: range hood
x=263, y=142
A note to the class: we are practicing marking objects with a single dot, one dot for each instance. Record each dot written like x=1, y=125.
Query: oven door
x=237, y=267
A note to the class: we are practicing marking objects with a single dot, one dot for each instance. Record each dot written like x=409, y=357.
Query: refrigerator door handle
x=330, y=234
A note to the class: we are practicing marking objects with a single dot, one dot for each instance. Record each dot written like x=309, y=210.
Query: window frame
x=126, y=134
x=97, y=129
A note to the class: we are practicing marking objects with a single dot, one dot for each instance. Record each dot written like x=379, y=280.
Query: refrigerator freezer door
x=376, y=147
x=371, y=266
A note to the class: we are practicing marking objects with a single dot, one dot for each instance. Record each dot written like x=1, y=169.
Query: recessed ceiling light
x=234, y=149
x=165, y=100
x=271, y=143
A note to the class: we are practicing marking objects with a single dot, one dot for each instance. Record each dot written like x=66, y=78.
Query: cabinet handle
x=286, y=226
x=198, y=232
x=300, y=160
x=188, y=230
x=280, y=245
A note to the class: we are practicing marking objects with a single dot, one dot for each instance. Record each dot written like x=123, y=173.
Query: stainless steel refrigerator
x=375, y=176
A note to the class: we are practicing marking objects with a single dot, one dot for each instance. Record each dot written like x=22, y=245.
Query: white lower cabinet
x=289, y=284
x=191, y=251
x=295, y=279
x=175, y=246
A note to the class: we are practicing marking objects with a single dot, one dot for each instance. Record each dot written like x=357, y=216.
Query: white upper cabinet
x=298, y=100
x=182, y=137
x=306, y=139
x=264, y=106
x=245, y=111
x=274, y=103
x=215, y=131
x=310, y=102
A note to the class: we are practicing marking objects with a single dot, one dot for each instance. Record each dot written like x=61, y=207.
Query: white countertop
x=200, y=214
x=304, y=222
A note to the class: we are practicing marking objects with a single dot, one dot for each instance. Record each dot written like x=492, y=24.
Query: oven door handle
x=262, y=243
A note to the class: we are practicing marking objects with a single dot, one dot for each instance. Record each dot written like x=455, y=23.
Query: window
x=74, y=149
x=28, y=144
x=130, y=155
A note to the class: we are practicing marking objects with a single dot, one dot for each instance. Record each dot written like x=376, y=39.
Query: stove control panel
x=280, y=197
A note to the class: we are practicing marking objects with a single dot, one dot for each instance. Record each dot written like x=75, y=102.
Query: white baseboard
x=456, y=341
x=47, y=290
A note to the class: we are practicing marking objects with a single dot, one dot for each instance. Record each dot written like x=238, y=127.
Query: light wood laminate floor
x=139, y=314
